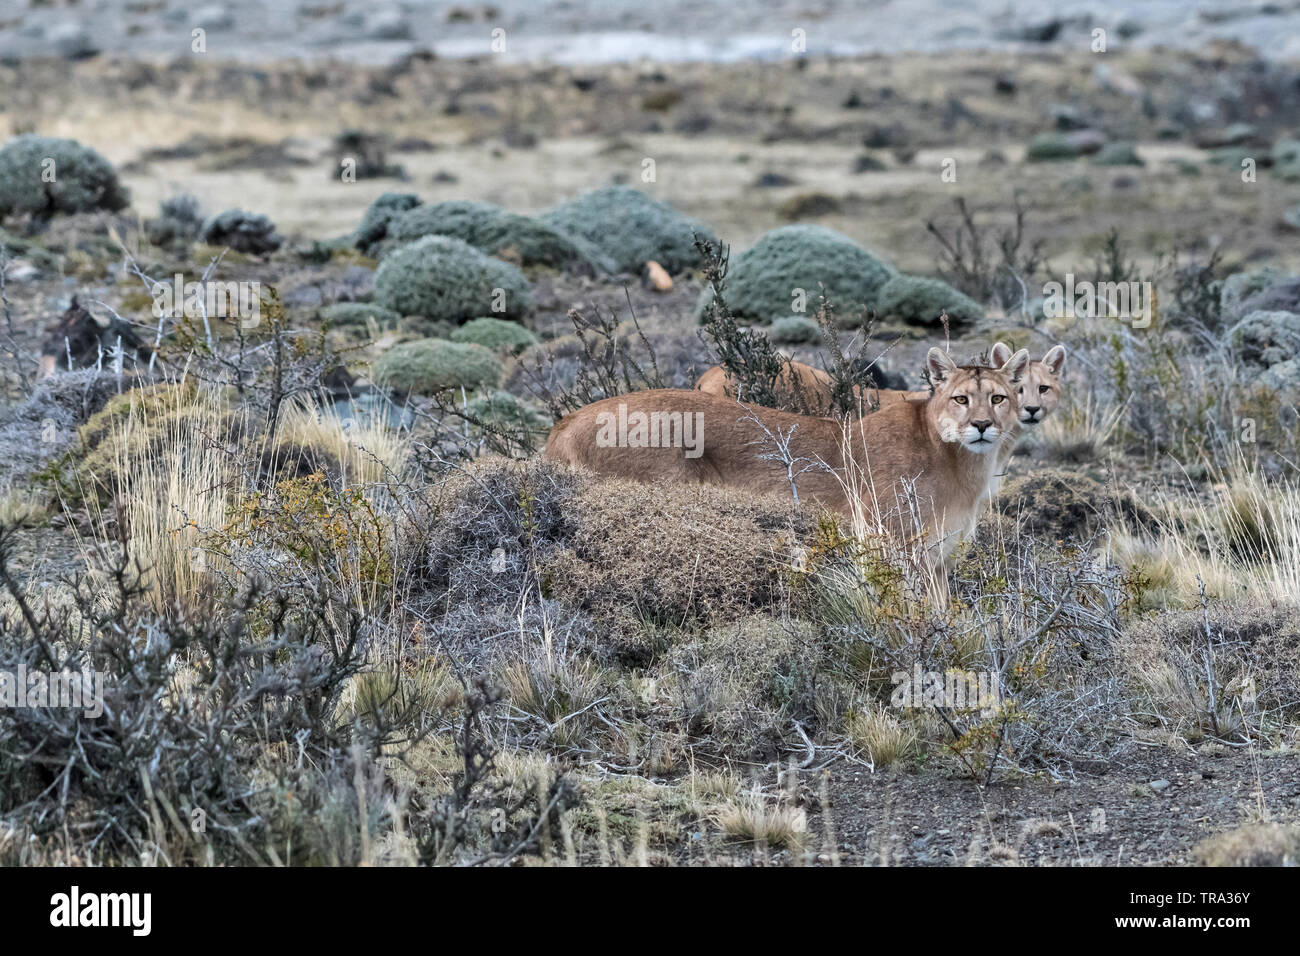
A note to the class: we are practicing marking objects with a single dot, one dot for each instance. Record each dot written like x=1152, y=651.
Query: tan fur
x=930, y=444
x=1037, y=395
x=804, y=386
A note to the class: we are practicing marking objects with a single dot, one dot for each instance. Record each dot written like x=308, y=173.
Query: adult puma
x=803, y=386
x=924, y=465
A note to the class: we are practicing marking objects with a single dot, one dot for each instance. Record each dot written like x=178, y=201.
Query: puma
x=914, y=465
x=1038, y=394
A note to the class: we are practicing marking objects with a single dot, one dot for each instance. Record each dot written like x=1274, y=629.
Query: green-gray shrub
x=1118, y=154
x=82, y=179
x=495, y=334
x=379, y=216
x=359, y=313
x=921, y=300
x=499, y=232
x=631, y=228
x=506, y=411
x=1052, y=146
x=794, y=330
x=762, y=280
x=426, y=366
x=444, y=278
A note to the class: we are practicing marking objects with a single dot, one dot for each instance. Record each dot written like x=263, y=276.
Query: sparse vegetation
x=346, y=609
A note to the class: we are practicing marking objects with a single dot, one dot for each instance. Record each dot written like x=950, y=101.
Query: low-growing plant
x=444, y=278
x=428, y=366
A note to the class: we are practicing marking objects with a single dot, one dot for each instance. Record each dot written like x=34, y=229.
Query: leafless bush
x=988, y=267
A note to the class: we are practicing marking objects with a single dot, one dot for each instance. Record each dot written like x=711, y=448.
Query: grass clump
x=439, y=277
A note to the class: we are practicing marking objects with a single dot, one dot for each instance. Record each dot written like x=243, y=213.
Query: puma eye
x=999, y=399
x=1044, y=388
x=960, y=399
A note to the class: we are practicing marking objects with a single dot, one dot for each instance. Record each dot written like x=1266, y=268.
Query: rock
x=658, y=277
x=1159, y=785
x=1005, y=84
x=80, y=337
x=1291, y=219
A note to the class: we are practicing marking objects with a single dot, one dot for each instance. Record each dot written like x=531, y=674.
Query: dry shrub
x=627, y=554
x=1242, y=677
x=1062, y=505
x=741, y=684
x=671, y=555
x=1255, y=845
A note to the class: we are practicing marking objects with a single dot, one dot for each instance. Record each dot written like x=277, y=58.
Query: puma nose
x=1033, y=409
x=981, y=425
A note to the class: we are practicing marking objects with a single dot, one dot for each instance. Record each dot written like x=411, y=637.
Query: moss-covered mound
x=439, y=277
x=498, y=232
x=631, y=228
x=426, y=366
x=495, y=334
x=921, y=300
x=45, y=176
x=763, y=280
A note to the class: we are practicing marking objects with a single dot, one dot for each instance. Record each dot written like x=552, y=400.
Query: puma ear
x=999, y=354
x=1055, y=359
x=940, y=365
x=1014, y=367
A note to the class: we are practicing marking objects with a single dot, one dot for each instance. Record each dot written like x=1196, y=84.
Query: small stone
x=659, y=278
x=1159, y=785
